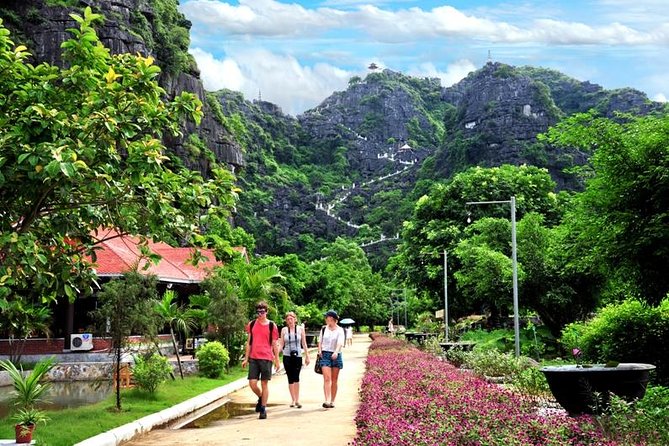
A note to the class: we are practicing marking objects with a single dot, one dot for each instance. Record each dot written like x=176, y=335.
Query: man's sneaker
x=258, y=405
x=263, y=414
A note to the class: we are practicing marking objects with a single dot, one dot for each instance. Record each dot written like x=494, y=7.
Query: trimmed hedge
x=212, y=359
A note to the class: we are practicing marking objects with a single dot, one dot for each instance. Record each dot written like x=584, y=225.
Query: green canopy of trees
x=80, y=148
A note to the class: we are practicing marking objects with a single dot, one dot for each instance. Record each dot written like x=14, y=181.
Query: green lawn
x=70, y=426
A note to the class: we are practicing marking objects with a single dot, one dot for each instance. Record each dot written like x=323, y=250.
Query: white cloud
x=454, y=73
x=277, y=19
x=278, y=78
x=660, y=97
x=261, y=17
x=217, y=74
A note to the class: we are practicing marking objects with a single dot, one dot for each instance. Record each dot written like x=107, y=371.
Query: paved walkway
x=310, y=426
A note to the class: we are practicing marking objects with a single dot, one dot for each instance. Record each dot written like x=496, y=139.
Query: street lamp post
x=405, y=309
x=516, y=324
x=446, y=295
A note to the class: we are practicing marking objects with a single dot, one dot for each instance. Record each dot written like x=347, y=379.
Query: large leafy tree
x=619, y=228
x=439, y=220
x=344, y=280
x=80, y=148
x=484, y=278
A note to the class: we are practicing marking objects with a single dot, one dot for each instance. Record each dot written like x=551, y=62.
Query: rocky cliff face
x=499, y=114
x=375, y=117
x=387, y=125
x=42, y=28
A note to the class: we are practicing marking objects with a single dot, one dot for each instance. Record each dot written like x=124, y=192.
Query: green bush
x=456, y=356
x=643, y=422
x=212, y=359
x=494, y=363
x=150, y=372
x=499, y=339
x=531, y=381
x=630, y=331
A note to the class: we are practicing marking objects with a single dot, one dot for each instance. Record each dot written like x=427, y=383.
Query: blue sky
x=297, y=53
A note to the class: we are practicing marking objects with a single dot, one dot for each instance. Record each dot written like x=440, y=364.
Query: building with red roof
x=118, y=255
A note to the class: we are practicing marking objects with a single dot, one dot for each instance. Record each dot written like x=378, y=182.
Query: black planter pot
x=585, y=389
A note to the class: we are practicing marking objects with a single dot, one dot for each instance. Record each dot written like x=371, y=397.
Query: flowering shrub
x=408, y=397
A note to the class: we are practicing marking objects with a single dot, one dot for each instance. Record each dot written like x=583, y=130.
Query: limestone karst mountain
x=355, y=164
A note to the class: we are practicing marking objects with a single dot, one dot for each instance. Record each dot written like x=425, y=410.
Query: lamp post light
x=516, y=324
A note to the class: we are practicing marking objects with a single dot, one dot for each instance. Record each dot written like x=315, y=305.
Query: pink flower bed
x=408, y=397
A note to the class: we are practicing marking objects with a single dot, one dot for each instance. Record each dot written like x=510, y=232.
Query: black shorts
x=293, y=365
x=260, y=369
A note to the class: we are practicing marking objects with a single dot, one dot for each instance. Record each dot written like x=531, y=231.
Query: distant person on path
x=349, y=335
x=330, y=344
x=261, y=351
x=293, y=343
x=391, y=327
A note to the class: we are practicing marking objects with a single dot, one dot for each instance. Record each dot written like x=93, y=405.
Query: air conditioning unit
x=81, y=342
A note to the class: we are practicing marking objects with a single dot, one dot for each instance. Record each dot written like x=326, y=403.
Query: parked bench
x=465, y=345
x=419, y=337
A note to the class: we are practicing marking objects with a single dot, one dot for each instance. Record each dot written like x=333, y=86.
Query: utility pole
x=516, y=323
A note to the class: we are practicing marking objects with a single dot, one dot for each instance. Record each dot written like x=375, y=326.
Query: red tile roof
x=120, y=254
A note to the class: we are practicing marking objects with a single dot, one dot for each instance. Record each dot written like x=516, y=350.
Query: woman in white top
x=329, y=347
x=293, y=343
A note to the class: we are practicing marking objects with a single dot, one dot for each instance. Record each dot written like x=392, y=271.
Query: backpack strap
x=271, y=331
x=253, y=322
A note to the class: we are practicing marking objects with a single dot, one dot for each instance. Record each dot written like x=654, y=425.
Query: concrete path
x=311, y=425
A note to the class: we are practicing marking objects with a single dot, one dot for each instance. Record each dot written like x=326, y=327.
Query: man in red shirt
x=261, y=351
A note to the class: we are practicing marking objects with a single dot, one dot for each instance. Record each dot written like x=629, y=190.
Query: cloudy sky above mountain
x=297, y=53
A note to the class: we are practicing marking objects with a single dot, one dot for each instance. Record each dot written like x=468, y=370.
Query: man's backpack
x=271, y=332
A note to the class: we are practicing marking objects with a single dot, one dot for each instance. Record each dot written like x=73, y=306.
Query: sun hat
x=332, y=313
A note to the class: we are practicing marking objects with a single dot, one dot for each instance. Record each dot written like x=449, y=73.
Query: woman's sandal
x=298, y=405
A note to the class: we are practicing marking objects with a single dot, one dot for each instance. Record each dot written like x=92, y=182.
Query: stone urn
x=584, y=389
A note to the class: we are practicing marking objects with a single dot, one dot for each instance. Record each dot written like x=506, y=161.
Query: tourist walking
x=349, y=335
x=261, y=351
x=293, y=344
x=330, y=344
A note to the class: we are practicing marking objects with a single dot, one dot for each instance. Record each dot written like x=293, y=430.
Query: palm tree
x=174, y=317
x=256, y=284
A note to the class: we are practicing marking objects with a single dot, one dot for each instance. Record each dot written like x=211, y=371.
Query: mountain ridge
x=355, y=164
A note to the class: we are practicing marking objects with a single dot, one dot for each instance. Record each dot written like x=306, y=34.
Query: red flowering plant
x=409, y=397
x=577, y=353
